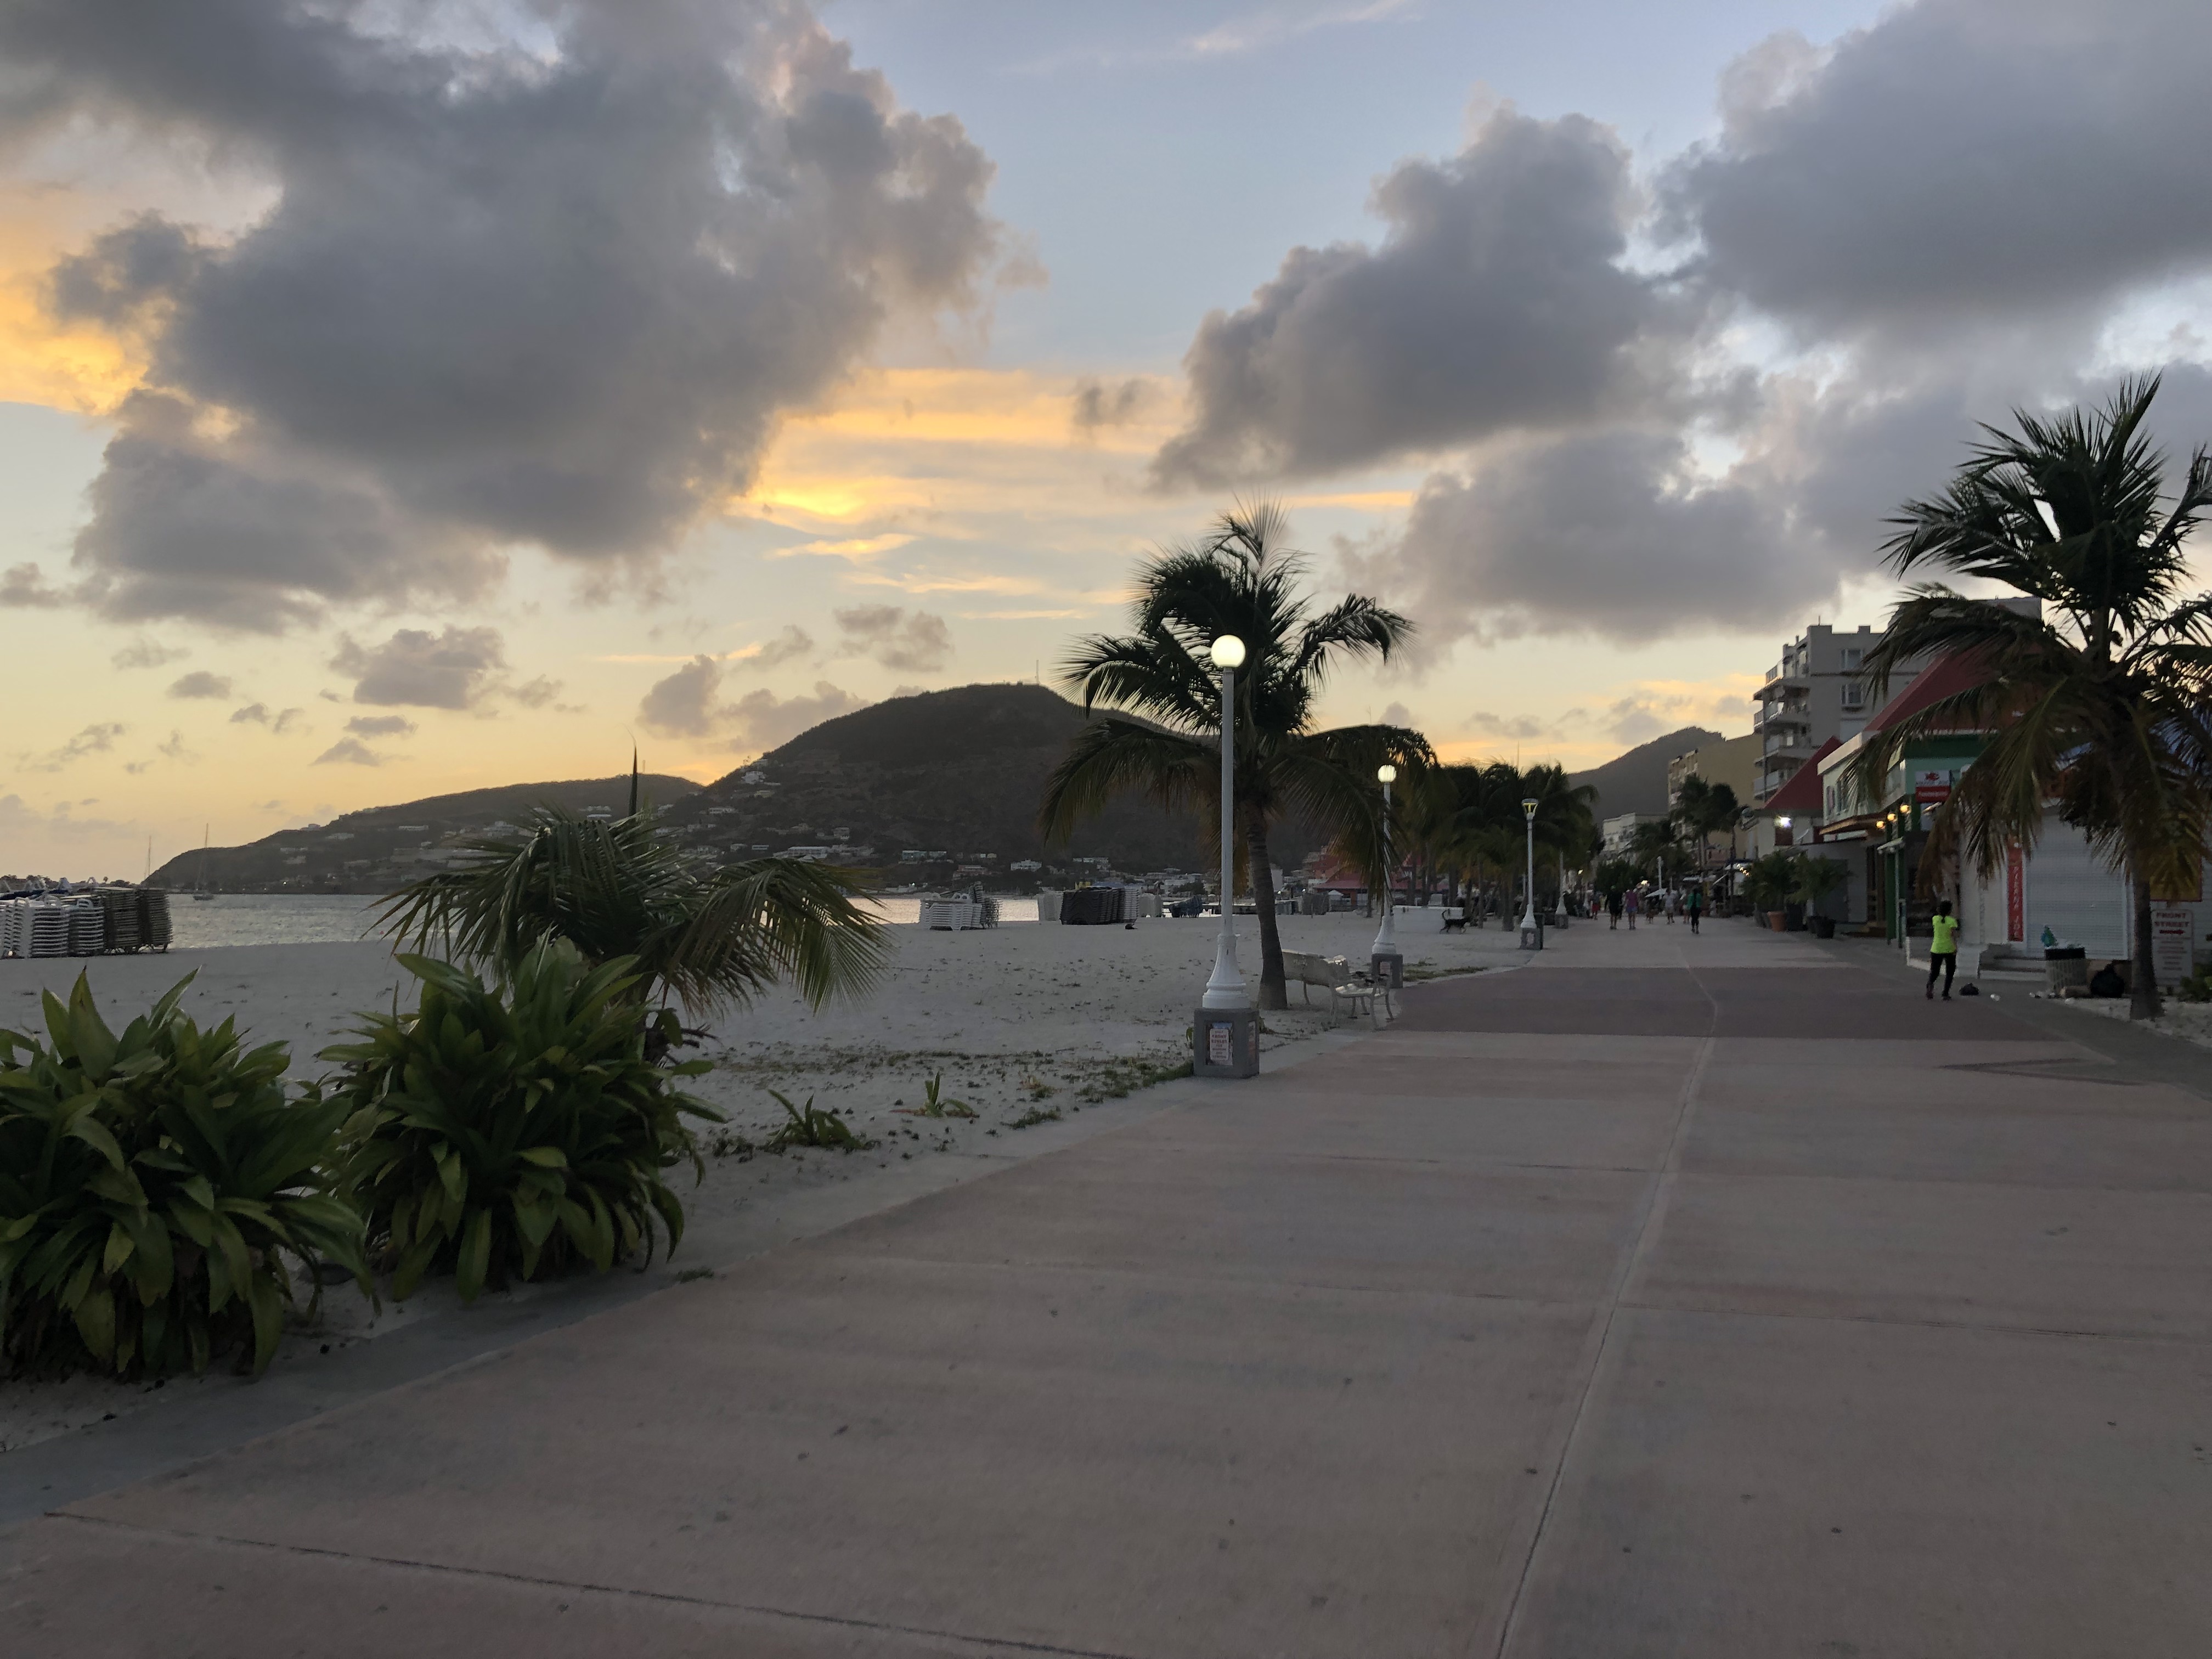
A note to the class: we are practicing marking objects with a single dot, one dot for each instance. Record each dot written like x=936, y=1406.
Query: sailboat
x=200, y=893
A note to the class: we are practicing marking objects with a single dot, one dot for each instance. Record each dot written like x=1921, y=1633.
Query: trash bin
x=2066, y=964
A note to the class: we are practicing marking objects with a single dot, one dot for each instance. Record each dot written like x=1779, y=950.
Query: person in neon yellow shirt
x=1942, y=948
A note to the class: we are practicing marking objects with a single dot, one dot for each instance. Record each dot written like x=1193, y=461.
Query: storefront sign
x=2015, y=893
x=1931, y=789
x=2172, y=933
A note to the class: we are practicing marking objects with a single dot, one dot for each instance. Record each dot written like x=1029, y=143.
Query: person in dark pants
x=1695, y=906
x=1942, y=948
x=1613, y=908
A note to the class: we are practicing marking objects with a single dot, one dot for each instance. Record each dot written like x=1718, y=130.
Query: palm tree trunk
x=1275, y=992
x=2143, y=990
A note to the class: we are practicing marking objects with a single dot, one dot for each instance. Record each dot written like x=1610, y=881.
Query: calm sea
x=322, y=918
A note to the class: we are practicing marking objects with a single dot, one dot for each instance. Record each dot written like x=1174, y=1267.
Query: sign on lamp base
x=1224, y=1042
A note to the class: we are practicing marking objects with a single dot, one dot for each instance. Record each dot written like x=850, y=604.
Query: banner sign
x=1931, y=789
x=2015, y=893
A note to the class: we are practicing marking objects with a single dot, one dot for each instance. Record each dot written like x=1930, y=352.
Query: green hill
x=959, y=772
x=373, y=850
x=1637, y=781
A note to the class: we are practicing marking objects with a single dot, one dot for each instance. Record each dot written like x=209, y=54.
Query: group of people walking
x=1657, y=903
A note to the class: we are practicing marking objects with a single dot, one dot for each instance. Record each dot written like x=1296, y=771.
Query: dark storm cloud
x=1497, y=300
x=554, y=297
x=1960, y=160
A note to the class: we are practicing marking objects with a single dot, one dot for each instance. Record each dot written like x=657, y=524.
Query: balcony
x=1782, y=682
x=1784, y=717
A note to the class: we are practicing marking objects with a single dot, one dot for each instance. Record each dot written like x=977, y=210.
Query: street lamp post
x=1386, y=963
x=1225, y=1031
x=1532, y=936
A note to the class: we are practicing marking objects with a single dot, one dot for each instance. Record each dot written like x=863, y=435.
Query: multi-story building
x=1816, y=692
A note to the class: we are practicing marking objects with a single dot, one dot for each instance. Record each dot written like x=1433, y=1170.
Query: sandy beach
x=1027, y=1024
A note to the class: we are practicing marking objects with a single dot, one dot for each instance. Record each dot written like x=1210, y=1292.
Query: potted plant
x=1816, y=878
x=1768, y=884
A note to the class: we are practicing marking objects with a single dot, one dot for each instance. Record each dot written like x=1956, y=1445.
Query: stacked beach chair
x=34, y=927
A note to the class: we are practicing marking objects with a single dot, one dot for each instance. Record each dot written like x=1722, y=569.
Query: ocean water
x=329, y=918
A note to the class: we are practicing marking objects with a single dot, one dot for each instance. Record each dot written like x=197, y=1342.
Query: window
x=1852, y=658
x=1853, y=693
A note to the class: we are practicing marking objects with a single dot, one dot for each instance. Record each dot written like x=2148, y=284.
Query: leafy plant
x=932, y=1104
x=810, y=1127
x=618, y=890
x=1771, y=880
x=1034, y=1116
x=1815, y=879
x=516, y=1135
x=153, y=1188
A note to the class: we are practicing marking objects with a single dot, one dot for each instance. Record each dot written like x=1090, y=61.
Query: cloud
x=688, y=704
x=96, y=739
x=919, y=643
x=1957, y=162
x=348, y=752
x=201, y=683
x=1497, y=300
x=1609, y=532
x=148, y=653
x=25, y=587
x=256, y=713
x=858, y=550
x=1097, y=405
x=1518, y=728
x=417, y=669
x=558, y=288
x=380, y=725
x=174, y=748
x=19, y=819
x=790, y=644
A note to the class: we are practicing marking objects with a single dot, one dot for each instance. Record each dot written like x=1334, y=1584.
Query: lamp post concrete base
x=1532, y=935
x=1224, y=1042
x=1388, y=969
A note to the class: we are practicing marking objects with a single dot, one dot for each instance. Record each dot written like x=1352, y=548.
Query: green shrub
x=812, y=1127
x=152, y=1187
x=934, y=1104
x=513, y=1136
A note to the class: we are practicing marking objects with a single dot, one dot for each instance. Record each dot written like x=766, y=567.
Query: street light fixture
x=1225, y=1034
x=1386, y=940
x=1531, y=939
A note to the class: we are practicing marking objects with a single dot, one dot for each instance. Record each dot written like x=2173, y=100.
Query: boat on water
x=200, y=893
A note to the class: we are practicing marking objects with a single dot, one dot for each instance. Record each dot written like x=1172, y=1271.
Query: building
x=1618, y=832
x=1814, y=693
x=1734, y=762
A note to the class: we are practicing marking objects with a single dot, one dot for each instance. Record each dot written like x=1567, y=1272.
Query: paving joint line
x=1600, y=1339
x=999, y=1643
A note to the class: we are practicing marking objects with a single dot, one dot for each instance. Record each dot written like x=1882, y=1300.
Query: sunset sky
x=401, y=397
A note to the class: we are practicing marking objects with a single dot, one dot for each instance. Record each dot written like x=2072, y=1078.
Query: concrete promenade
x=1704, y=1297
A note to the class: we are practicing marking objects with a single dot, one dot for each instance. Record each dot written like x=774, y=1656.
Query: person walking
x=1635, y=903
x=1613, y=910
x=1942, y=948
x=1695, y=906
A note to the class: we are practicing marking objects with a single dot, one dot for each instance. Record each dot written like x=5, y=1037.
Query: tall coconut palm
x=2098, y=704
x=710, y=939
x=1160, y=736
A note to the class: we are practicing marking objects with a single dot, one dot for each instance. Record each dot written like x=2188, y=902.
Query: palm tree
x=617, y=889
x=1163, y=739
x=1652, y=844
x=1703, y=809
x=2098, y=703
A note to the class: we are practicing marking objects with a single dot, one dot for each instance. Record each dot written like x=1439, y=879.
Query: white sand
x=1022, y=1018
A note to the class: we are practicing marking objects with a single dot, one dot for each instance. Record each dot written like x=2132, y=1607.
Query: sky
x=400, y=397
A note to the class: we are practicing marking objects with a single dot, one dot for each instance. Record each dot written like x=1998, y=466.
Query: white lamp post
x=1386, y=940
x=1530, y=939
x=1226, y=989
